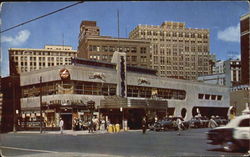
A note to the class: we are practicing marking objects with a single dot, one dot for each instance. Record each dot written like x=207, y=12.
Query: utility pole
x=14, y=103
x=40, y=104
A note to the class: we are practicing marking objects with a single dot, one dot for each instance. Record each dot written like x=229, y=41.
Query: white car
x=233, y=136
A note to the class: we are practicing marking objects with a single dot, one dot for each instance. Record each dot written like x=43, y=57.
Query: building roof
x=247, y=15
x=82, y=61
x=108, y=38
x=44, y=49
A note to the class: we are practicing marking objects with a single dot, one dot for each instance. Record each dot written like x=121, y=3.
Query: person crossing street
x=144, y=125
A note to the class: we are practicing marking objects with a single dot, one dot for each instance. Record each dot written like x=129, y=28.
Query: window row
x=42, y=53
x=174, y=34
x=86, y=88
x=93, y=88
x=95, y=48
x=148, y=92
x=209, y=97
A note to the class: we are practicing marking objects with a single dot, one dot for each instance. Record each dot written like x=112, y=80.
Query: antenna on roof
x=63, y=40
x=118, y=30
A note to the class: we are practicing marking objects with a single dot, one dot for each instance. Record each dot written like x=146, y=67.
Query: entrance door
x=135, y=118
x=67, y=118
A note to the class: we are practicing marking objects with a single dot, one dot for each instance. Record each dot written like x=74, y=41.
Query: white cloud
x=19, y=39
x=235, y=56
x=231, y=34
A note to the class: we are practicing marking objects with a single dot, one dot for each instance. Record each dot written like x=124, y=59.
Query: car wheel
x=229, y=146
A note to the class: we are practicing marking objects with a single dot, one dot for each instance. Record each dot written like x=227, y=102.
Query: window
x=207, y=96
x=105, y=48
x=245, y=123
x=143, y=58
x=134, y=58
x=133, y=49
x=213, y=97
x=143, y=50
x=219, y=97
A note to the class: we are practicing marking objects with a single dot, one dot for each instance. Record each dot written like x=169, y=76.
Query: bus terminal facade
x=119, y=92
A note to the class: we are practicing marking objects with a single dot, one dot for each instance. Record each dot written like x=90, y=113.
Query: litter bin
x=117, y=127
x=110, y=128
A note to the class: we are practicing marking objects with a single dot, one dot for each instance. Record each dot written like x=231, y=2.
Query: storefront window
x=87, y=88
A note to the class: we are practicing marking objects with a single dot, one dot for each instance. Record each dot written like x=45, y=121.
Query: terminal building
x=119, y=93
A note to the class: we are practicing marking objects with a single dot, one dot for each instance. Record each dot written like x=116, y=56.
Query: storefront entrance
x=67, y=118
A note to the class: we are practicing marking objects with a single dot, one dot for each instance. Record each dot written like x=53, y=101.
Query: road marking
x=32, y=150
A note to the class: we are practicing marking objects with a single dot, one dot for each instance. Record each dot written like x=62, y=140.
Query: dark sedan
x=170, y=123
x=199, y=122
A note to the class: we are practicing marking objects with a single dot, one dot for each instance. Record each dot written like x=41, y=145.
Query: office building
x=101, y=48
x=226, y=73
x=25, y=60
x=245, y=51
x=176, y=51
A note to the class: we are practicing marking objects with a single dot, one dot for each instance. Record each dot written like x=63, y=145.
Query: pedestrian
x=74, y=124
x=102, y=125
x=61, y=123
x=144, y=125
x=156, y=119
x=179, y=125
x=90, y=126
x=212, y=123
x=80, y=124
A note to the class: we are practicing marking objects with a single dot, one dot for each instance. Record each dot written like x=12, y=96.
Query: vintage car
x=199, y=122
x=195, y=122
x=170, y=123
x=233, y=136
x=220, y=120
x=204, y=122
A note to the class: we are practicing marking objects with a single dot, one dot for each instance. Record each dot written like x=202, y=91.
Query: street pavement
x=102, y=144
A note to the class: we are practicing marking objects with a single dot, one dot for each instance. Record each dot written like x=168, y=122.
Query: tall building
x=25, y=60
x=218, y=67
x=95, y=47
x=87, y=28
x=226, y=73
x=1, y=104
x=177, y=51
x=245, y=51
x=10, y=103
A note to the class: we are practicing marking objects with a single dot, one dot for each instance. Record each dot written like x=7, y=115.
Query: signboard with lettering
x=64, y=74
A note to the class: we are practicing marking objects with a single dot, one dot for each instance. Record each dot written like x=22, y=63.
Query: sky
x=222, y=18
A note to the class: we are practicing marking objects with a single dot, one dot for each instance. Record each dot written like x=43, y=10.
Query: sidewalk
x=69, y=132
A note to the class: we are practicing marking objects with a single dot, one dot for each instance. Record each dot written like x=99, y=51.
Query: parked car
x=204, y=122
x=233, y=136
x=195, y=122
x=220, y=120
x=163, y=124
x=170, y=123
x=199, y=122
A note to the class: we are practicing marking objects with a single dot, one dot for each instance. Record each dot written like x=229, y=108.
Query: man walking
x=179, y=125
x=61, y=123
x=144, y=125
